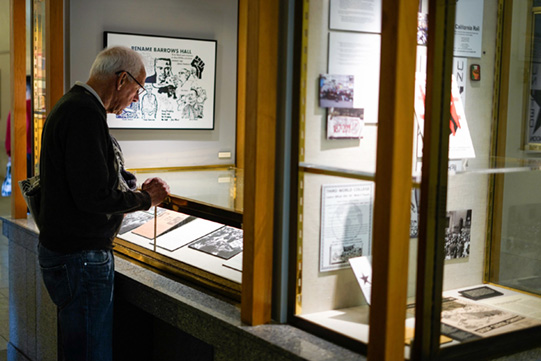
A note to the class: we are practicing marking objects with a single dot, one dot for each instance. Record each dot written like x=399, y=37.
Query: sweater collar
x=92, y=91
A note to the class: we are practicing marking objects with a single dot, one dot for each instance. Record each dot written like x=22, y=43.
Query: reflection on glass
x=221, y=187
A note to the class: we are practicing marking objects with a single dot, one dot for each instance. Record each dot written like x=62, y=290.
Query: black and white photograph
x=415, y=216
x=422, y=28
x=341, y=253
x=457, y=234
x=179, y=87
x=336, y=91
x=225, y=242
x=134, y=220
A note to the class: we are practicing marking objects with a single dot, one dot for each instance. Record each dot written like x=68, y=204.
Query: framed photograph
x=336, y=91
x=180, y=83
x=225, y=243
x=458, y=234
x=480, y=293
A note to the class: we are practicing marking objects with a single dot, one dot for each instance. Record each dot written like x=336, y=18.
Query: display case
x=471, y=258
x=215, y=192
x=196, y=232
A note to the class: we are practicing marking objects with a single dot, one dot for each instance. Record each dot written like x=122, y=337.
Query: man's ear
x=120, y=81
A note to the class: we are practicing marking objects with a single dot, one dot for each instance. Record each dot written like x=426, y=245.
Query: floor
x=5, y=209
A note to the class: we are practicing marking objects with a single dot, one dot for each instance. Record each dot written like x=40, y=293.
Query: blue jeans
x=81, y=286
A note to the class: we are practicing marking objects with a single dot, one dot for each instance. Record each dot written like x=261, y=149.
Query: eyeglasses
x=141, y=90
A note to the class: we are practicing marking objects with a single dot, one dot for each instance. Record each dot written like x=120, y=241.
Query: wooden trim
x=499, y=136
x=430, y=252
x=393, y=181
x=18, y=105
x=241, y=82
x=261, y=85
x=54, y=48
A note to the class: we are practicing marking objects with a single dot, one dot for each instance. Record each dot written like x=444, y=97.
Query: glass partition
x=486, y=245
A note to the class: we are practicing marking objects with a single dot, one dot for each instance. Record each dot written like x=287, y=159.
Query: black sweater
x=81, y=204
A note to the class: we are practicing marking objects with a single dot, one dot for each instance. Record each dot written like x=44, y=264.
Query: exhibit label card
x=346, y=223
x=469, y=28
x=363, y=273
x=356, y=15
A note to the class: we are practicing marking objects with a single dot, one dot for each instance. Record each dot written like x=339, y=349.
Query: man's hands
x=157, y=189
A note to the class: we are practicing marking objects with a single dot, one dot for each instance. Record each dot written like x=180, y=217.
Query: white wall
x=204, y=19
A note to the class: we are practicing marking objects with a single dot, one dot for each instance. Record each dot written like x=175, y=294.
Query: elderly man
x=85, y=194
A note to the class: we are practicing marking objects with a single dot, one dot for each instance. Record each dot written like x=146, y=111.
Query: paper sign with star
x=363, y=273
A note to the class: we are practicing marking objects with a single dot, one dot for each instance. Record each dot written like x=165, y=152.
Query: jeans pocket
x=56, y=281
x=98, y=264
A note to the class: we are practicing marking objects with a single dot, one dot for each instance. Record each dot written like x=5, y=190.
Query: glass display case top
x=213, y=192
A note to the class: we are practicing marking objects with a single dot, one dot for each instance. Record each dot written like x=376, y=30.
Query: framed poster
x=180, y=83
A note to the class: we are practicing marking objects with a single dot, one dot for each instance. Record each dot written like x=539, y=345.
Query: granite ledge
x=287, y=341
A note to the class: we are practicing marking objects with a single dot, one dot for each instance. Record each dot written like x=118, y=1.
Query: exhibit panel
x=196, y=232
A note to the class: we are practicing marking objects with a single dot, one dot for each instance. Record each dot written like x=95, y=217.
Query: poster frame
x=191, y=45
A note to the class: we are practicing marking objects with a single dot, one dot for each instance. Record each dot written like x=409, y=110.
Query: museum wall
x=331, y=290
x=203, y=19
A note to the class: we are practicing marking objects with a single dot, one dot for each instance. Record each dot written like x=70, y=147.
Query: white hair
x=114, y=59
